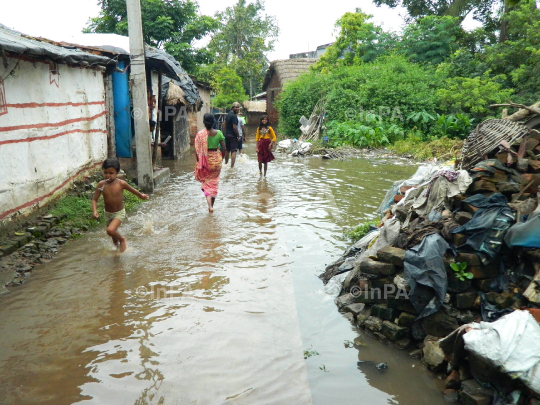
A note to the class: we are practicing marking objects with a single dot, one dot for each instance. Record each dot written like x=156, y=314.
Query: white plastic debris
x=285, y=144
x=511, y=345
x=334, y=285
x=304, y=147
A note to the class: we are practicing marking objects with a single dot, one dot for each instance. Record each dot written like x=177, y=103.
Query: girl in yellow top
x=265, y=139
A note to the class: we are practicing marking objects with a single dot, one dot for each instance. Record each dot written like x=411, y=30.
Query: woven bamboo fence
x=487, y=137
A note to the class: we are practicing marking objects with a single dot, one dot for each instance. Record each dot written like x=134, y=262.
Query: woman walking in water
x=209, y=159
x=265, y=139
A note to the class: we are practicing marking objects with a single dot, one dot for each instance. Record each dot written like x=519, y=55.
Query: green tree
x=170, y=24
x=514, y=62
x=473, y=96
x=431, y=39
x=489, y=12
x=454, y=8
x=390, y=87
x=519, y=56
x=245, y=36
x=359, y=41
x=228, y=86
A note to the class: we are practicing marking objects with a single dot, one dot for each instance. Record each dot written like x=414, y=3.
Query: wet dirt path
x=209, y=309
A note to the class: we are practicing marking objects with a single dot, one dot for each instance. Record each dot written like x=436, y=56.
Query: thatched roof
x=287, y=69
x=255, y=106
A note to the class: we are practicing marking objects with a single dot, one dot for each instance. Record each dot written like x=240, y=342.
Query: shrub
x=372, y=132
x=413, y=145
x=390, y=87
x=473, y=95
x=361, y=230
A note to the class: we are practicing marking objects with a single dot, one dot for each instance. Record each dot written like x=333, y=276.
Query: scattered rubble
x=21, y=253
x=457, y=249
x=36, y=240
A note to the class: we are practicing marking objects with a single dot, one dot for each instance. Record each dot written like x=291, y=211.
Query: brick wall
x=272, y=91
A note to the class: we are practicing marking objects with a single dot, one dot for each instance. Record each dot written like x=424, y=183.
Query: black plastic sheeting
x=487, y=228
x=13, y=41
x=426, y=274
x=175, y=72
x=525, y=234
x=490, y=312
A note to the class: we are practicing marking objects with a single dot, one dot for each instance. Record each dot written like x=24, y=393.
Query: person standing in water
x=209, y=159
x=113, y=197
x=265, y=139
x=231, y=133
x=241, y=133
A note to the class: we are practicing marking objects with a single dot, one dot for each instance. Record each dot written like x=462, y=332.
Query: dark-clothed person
x=231, y=134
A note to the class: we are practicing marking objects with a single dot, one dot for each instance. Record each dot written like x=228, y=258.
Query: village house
x=53, y=119
x=64, y=108
x=172, y=96
x=259, y=97
x=317, y=53
x=279, y=73
x=196, y=117
x=253, y=111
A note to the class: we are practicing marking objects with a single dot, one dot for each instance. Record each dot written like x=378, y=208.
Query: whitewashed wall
x=52, y=130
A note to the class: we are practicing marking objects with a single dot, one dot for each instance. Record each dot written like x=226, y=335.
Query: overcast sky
x=303, y=26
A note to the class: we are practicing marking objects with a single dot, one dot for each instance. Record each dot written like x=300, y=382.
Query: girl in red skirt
x=265, y=139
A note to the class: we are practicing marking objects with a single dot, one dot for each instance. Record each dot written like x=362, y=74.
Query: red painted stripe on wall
x=36, y=105
x=56, y=124
x=28, y=204
x=43, y=138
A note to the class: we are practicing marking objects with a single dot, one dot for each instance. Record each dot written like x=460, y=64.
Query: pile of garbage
x=453, y=268
x=294, y=147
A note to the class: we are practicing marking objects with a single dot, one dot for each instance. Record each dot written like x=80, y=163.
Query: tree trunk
x=502, y=34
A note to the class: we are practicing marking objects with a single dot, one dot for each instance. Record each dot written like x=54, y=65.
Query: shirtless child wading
x=113, y=197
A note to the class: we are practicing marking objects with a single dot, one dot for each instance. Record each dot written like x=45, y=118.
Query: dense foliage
x=359, y=41
x=391, y=88
x=244, y=38
x=228, y=86
x=172, y=24
x=434, y=83
x=242, y=35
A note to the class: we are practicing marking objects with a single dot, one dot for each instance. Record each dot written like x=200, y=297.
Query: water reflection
x=207, y=309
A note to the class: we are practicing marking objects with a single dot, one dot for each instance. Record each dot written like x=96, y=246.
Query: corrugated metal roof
x=16, y=42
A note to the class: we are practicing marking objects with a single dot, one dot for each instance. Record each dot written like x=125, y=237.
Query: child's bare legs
x=226, y=157
x=260, y=168
x=210, y=203
x=233, y=159
x=213, y=201
x=265, y=168
x=112, y=231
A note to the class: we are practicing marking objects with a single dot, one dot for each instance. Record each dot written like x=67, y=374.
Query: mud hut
x=278, y=74
x=253, y=111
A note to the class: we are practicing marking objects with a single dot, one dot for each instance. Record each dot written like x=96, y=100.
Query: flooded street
x=210, y=308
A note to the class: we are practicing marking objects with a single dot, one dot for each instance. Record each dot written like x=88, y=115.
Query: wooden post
x=145, y=173
x=109, y=117
x=157, y=137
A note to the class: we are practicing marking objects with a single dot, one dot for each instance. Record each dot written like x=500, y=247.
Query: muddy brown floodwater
x=210, y=309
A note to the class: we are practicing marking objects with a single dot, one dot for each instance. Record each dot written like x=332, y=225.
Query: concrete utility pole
x=145, y=174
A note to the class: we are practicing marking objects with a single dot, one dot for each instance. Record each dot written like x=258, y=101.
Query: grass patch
x=361, y=230
x=77, y=210
x=442, y=148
